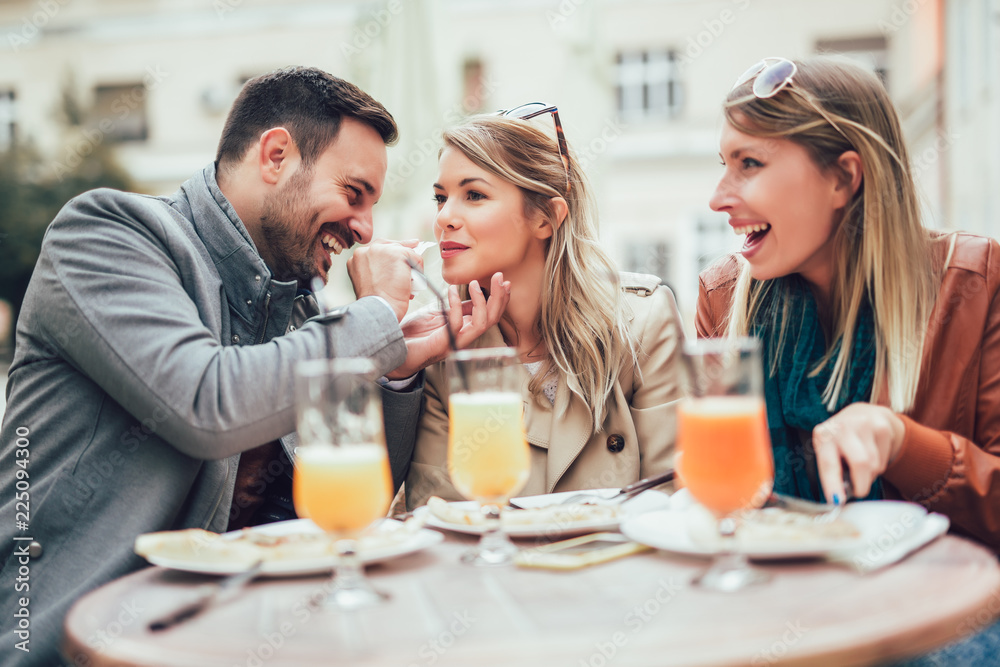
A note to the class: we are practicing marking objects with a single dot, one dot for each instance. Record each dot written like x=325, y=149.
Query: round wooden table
x=640, y=610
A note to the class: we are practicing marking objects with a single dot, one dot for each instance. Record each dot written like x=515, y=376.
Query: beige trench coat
x=636, y=439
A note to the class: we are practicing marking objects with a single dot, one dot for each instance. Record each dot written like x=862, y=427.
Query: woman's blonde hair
x=881, y=250
x=583, y=320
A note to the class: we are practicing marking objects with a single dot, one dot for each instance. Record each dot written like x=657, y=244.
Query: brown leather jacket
x=950, y=458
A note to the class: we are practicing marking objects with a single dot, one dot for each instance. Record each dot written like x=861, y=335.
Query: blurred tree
x=32, y=192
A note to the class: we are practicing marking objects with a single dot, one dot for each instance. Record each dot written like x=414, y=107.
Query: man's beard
x=290, y=232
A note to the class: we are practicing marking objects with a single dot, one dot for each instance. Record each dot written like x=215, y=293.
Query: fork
x=623, y=494
x=821, y=512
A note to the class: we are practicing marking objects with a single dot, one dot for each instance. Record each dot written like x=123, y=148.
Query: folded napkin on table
x=891, y=547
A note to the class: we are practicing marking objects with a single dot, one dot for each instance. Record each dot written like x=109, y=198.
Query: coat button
x=236, y=338
x=616, y=443
x=291, y=327
x=35, y=549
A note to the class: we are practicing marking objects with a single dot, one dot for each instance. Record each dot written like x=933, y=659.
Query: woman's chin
x=464, y=278
x=761, y=272
x=452, y=277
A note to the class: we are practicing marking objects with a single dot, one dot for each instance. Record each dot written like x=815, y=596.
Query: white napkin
x=890, y=549
x=417, y=282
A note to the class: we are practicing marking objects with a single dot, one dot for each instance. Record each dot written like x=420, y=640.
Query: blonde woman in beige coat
x=599, y=349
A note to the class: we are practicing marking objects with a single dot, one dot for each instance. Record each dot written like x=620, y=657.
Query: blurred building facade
x=639, y=85
x=972, y=112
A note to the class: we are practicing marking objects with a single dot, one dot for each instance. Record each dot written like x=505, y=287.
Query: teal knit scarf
x=794, y=399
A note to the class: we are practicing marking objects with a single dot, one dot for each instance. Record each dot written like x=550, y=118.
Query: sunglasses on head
x=533, y=109
x=770, y=76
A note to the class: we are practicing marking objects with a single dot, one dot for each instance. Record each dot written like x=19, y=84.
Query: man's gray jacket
x=151, y=350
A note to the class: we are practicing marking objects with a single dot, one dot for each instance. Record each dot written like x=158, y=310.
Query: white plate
x=877, y=521
x=415, y=541
x=646, y=501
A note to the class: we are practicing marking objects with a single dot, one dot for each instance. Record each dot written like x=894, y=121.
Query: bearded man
x=151, y=387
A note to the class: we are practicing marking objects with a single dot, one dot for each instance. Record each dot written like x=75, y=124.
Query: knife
x=643, y=484
x=210, y=594
x=625, y=493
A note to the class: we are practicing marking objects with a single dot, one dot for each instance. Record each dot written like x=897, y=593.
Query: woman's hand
x=863, y=437
x=427, y=340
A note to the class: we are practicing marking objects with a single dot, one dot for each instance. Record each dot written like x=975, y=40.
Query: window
x=714, y=239
x=218, y=97
x=473, y=86
x=648, y=256
x=990, y=26
x=648, y=85
x=869, y=52
x=120, y=112
x=8, y=119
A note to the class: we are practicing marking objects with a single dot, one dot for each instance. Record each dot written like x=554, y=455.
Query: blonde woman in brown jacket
x=598, y=349
x=882, y=338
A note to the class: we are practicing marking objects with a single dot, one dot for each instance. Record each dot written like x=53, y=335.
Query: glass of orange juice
x=488, y=458
x=724, y=445
x=342, y=479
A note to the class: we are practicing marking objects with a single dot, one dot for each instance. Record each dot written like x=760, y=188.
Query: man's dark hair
x=307, y=102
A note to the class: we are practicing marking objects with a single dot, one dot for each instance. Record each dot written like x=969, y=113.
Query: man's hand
x=866, y=438
x=427, y=339
x=380, y=269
